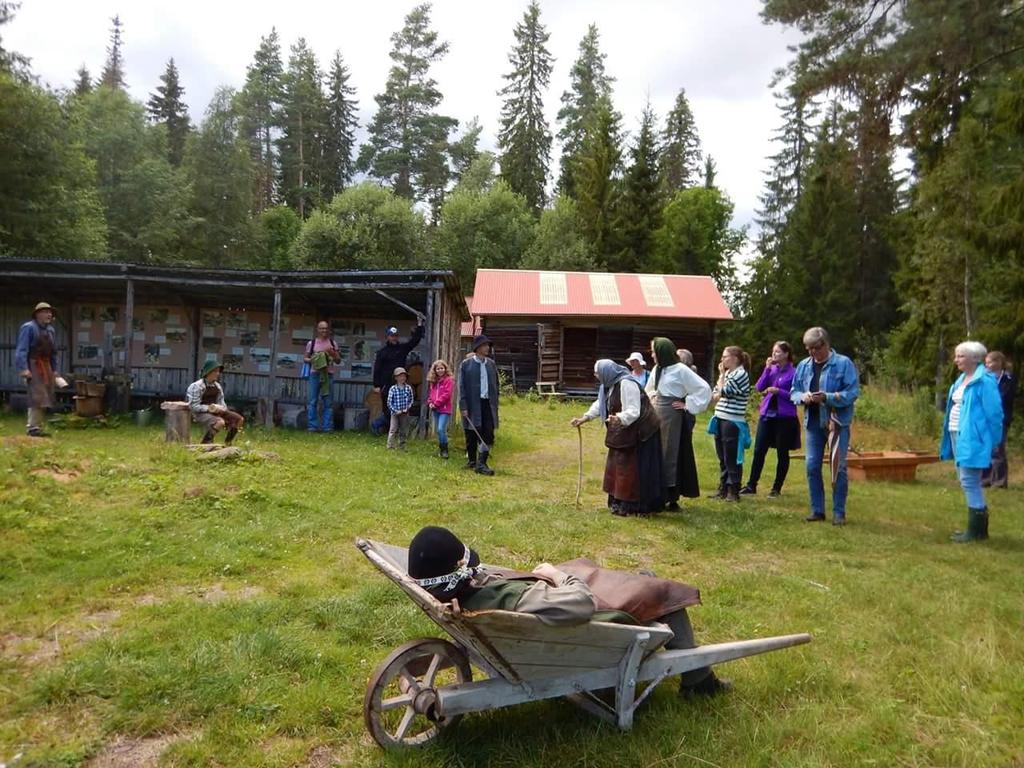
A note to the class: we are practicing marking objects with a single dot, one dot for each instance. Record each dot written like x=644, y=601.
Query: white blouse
x=679, y=382
x=630, y=404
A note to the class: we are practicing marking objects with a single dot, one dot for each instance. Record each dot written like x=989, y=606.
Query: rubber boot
x=481, y=465
x=443, y=453
x=230, y=435
x=732, y=492
x=977, y=527
x=207, y=438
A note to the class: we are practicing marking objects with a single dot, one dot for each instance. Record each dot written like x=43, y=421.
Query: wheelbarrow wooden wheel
x=400, y=704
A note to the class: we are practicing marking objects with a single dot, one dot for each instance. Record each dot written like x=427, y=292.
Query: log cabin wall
x=574, y=344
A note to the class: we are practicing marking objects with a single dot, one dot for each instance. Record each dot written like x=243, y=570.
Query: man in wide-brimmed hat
x=206, y=401
x=478, y=403
x=35, y=356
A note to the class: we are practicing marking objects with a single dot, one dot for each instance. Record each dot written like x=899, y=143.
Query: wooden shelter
x=552, y=326
x=153, y=327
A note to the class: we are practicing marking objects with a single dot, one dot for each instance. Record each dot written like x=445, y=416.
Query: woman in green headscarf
x=678, y=394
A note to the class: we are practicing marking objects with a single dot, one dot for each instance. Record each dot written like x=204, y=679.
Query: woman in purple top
x=778, y=426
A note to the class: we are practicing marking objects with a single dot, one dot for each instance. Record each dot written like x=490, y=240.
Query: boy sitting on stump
x=206, y=401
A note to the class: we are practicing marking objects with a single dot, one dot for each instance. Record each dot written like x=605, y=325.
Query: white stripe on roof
x=604, y=290
x=553, y=288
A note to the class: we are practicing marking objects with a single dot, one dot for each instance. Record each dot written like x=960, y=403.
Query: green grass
x=157, y=595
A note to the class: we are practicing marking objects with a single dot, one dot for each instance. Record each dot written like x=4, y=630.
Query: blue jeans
x=315, y=398
x=441, y=427
x=970, y=481
x=817, y=439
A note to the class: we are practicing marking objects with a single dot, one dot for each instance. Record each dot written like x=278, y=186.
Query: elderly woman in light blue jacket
x=972, y=428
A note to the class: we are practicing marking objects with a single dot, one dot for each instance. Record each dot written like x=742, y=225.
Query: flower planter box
x=888, y=466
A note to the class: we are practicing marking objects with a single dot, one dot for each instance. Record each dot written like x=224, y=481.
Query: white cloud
x=720, y=52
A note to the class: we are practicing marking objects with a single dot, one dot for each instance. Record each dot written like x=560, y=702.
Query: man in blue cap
x=478, y=403
x=389, y=357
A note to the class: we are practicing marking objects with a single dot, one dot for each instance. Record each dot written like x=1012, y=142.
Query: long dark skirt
x=633, y=478
x=680, y=465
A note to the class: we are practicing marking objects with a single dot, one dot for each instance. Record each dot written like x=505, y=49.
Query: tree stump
x=177, y=422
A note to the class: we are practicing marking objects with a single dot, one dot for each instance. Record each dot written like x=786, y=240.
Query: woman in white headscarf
x=632, y=471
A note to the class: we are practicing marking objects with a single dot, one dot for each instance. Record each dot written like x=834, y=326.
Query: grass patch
x=218, y=613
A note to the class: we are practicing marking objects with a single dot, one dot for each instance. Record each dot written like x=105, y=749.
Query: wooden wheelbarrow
x=426, y=685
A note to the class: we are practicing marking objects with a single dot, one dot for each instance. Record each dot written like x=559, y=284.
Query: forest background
x=892, y=210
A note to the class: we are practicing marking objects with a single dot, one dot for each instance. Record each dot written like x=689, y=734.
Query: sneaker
x=749, y=490
x=839, y=520
x=814, y=518
x=712, y=685
x=443, y=452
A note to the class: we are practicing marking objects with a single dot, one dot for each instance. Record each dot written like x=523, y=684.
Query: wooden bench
x=549, y=390
x=426, y=685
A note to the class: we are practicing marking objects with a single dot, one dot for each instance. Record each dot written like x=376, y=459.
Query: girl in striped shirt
x=729, y=425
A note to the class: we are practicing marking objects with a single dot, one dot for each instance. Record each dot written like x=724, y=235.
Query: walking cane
x=579, y=477
x=482, y=444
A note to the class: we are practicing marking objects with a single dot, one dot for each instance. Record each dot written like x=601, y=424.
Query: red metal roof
x=532, y=292
x=471, y=327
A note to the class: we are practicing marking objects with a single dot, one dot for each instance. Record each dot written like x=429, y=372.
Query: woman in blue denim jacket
x=971, y=430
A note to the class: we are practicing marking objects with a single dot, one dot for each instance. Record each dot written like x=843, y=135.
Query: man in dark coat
x=392, y=355
x=478, y=403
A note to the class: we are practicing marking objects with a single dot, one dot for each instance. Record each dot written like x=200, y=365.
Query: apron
x=40, y=387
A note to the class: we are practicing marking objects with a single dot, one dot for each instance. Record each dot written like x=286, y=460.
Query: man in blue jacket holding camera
x=826, y=384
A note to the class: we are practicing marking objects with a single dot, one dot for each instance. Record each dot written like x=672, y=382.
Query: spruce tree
x=83, y=83
x=408, y=145
x=113, y=71
x=338, y=164
x=11, y=61
x=783, y=183
x=166, y=108
x=303, y=123
x=597, y=167
x=638, y=213
x=588, y=86
x=680, y=160
x=710, y=171
x=465, y=150
x=524, y=140
x=260, y=105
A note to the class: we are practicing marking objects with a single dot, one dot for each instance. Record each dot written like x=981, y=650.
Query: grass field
x=160, y=610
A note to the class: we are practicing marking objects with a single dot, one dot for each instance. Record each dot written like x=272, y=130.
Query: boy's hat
x=638, y=357
x=208, y=366
x=439, y=561
x=400, y=370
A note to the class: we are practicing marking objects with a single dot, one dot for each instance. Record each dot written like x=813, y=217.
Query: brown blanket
x=645, y=598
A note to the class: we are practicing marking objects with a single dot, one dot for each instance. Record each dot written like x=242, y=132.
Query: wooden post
x=271, y=393
x=429, y=342
x=129, y=332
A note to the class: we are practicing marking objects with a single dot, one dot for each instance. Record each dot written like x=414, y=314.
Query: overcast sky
x=719, y=51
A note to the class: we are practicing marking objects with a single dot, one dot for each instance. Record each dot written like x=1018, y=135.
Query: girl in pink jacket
x=439, y=400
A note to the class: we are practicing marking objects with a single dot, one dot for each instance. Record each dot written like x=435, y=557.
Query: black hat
x=440, y=562
x=480, y=340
